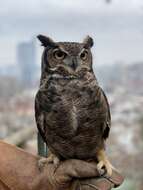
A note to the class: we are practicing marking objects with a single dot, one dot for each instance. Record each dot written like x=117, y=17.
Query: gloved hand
x=19, y=171
x=85, y=175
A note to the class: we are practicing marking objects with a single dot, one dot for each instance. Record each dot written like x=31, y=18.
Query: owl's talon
x=100, y=168
x=104, y=164
x=42, y=162
x=56, y=161
x=45, y=161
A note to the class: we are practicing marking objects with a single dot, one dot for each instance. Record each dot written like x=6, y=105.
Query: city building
x=26, y=57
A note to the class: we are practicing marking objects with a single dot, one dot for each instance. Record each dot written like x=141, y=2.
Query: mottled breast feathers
x=73, y=117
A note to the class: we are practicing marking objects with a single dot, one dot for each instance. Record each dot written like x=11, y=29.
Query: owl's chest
x=76, y=94
x=75, y=102
x=74, y=122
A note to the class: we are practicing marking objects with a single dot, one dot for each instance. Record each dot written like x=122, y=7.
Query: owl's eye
x=84, y=55
x=58, y=54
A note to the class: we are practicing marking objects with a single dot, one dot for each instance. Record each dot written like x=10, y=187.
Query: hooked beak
x=74, y=63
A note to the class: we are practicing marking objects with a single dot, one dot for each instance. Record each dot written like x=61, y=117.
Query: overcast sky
x=117, y=28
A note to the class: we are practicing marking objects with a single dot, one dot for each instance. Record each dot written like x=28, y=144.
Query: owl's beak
x=74, y=64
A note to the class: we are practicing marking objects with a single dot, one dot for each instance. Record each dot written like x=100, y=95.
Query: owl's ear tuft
x=46, y=41
x=88, y=42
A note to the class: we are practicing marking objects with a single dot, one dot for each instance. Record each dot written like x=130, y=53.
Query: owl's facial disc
x=78, y=62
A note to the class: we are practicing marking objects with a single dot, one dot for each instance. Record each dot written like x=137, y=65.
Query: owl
x=71, y=110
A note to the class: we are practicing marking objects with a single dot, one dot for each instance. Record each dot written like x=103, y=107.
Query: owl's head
x=66, y=57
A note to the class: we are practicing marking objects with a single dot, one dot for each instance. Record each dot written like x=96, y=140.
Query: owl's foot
x=51, y=159
x=103, y=162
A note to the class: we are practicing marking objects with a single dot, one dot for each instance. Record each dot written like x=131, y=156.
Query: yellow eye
x=58, y=54
x=84, y=55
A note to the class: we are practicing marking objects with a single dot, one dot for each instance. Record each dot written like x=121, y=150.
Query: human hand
x=19, y=171
x=77, y=174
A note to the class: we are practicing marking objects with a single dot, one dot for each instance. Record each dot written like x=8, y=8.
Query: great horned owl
x=71, y=110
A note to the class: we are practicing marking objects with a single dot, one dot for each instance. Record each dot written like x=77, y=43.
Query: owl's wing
x=106, y=107
x=40, y=105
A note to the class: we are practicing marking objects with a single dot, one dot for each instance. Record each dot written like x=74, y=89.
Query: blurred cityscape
x=123, y=84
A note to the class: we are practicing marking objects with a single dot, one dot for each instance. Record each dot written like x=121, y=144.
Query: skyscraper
x=26, y=56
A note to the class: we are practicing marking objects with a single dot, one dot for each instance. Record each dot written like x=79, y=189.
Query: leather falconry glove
x=19, y=171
